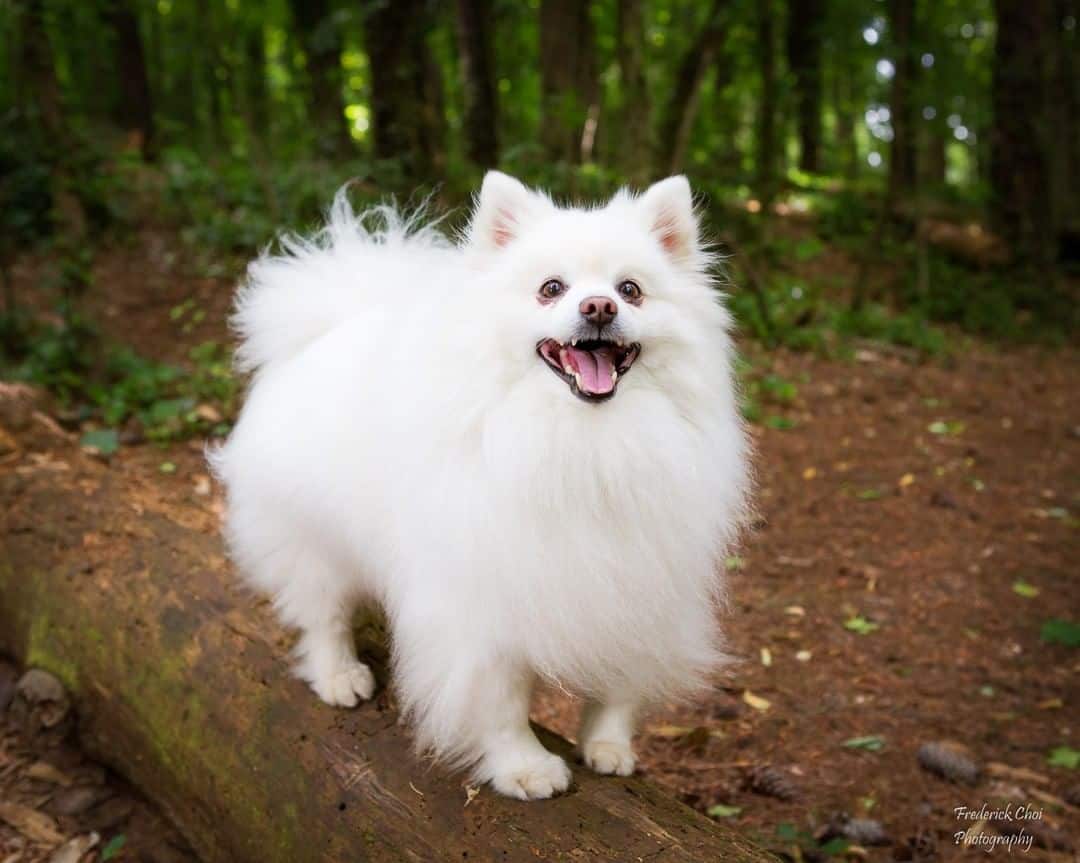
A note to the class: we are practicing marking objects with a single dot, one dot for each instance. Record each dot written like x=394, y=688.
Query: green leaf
x=779, y=422
x=113, y=846
x=167, y=467
x=722, y=811
x=1061, y=632
x=860, y=624
x=1028, y=591
x=871, y=743
x=787, y=831
x=733, y=563
x=1064, y=756
x=105, y=441
x=870, y=494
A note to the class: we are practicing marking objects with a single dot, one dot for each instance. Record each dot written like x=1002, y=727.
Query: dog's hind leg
x=318, y=601
x=604, y=739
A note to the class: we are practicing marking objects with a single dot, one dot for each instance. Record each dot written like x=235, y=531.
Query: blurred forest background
x=918, y=157
x=894, y=186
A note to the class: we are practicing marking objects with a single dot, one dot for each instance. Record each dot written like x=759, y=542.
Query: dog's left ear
x=502, y=207
x=669, y=208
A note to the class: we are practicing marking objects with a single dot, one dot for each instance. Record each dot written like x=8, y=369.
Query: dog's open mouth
x=590, y=367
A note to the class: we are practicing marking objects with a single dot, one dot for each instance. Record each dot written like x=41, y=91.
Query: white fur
x=403, y=443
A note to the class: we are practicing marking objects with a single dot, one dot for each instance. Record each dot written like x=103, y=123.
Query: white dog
x=526, y=448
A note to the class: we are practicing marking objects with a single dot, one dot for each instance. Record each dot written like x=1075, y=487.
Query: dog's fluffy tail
x=291, y=298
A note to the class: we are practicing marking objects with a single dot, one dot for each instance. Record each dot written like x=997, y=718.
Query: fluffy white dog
x=525, y=447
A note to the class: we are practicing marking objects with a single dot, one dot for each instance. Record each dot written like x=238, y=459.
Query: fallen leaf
x=1064, y=756
x=721, y=810
x=1022, y=588
x=756, y=701
x=858, y=623
x=113, y=846
x=809, y=473
x=45, y=772
x=906, y=480
x=73, y=850
x=101, y=441
x=766, y=657
x=795, y=611
x=34, y=825
x=804, y=656
x=871, y=743
x=470, y=794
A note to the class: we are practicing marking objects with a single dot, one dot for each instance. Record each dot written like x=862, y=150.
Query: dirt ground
x=917, y=527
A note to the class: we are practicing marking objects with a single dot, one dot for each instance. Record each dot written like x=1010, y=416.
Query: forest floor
x=917, y=527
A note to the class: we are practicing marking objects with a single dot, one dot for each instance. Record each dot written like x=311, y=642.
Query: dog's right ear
x=501, y=208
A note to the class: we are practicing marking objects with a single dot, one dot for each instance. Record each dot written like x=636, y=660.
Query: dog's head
x=604, y=295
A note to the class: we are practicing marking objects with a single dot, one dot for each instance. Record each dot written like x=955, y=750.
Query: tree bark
x=804, y=39
x=475, y=23
x=681, y=110
x=635, y=144
x=406, y=125
x=180, y=681
x=135, y=111
x=767, y=151
x=569, y=87
x=902, y=158
x=320, y=39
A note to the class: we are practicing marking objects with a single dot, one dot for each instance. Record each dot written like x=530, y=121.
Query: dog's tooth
x=573, y=342
x=614, y=377
x=577, y=379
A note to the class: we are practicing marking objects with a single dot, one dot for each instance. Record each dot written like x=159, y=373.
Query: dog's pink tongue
x=595, y=368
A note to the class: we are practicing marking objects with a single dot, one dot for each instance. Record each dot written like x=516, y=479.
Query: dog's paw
x=346, y=686
x=536, y=779
x=609, y=758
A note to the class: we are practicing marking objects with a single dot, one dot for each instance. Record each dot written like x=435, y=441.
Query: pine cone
x=770, y=782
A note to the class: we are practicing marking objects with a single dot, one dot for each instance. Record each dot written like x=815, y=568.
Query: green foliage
x=116, y=387
x=1064, y=756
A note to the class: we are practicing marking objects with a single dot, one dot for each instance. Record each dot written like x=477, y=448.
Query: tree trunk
x=804, y=37
x=569, y=88
x=475, y=23
x=681, y=110
x=902, y=164
x=635, y=145
x=135, y=111
x=404, y=127
x=180, y=682
x=320, y=38
x=1021, y=145
x=767, y=152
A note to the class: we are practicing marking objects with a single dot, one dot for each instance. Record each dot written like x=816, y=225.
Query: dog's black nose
x=598, y=310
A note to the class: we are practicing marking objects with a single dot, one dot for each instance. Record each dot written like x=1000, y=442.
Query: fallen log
x=181, y=684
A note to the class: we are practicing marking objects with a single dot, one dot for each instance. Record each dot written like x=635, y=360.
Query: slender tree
x=634, y=145
x=804, y=41
x=767, y=143
x=677, y=121
x=902, y=154
x=475, y=24
x=1022, y=142
x=135, y=111
x=569, y=88
x=320, y=37
x=405, y=127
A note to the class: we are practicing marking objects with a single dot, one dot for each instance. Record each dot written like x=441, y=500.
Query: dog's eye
x=630, y=290
x=551, y=289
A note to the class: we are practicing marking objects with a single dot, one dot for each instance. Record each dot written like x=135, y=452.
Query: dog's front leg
x=513, y=760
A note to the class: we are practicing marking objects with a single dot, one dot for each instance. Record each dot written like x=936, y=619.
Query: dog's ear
x=502, y=207
x=668, y=207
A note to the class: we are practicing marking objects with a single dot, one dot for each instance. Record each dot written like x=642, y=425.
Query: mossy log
x=181, y=683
